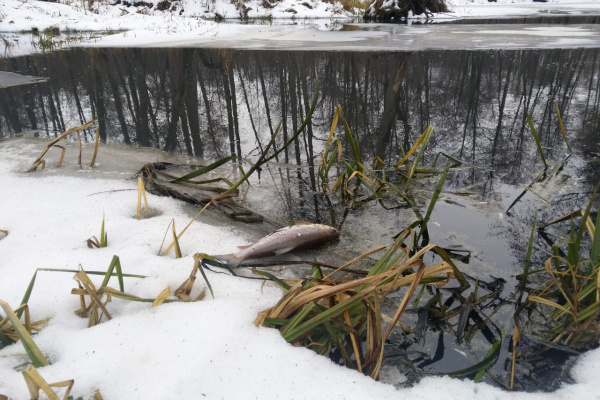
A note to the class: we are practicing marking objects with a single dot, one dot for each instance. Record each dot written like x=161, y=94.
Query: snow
x=192, y=21
x=208, y=349
x=515, y=8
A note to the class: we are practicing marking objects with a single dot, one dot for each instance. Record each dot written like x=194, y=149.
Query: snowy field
x=208, y=349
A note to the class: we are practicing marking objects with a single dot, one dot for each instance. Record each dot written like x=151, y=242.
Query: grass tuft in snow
x=175, y=240
x=4, y=41
x=99, y=298
x=142, y=193
x=93, y=242
x=35, y=383
x=45, y=43
x=324, y=314
x=18, y=330
x=40, y=160
x=185, y=289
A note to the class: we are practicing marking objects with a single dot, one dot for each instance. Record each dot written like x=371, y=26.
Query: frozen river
x=334, y=36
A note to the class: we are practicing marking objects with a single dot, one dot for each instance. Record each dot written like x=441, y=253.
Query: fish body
x=283, y=241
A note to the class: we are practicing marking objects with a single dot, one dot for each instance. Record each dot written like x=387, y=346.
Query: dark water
x=195, y=101
x=213, y=103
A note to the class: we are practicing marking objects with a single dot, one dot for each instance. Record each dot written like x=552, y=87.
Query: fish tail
x=230, y=260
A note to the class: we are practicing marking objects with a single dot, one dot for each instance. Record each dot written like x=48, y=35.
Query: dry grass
x=399, y=9
x=93, y=242
x=39, y=161
x=572, y=290
x=355, y=6
x=95, y=308
x=35, y=383
x=18, y=330
x=142, y=193
x=323, y=313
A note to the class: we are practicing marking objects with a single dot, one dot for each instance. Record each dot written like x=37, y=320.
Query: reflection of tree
x=141, y=100
x=190, y=100
x=505, y=64
x=388, y=117
x=112, y=77
x=177, y=75
x=561, y=196
x=97, y=96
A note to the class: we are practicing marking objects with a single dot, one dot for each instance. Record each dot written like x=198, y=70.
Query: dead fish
x=283, y=241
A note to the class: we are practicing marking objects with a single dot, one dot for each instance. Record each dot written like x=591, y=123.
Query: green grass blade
x=384, y=263
x=295, y=321
x=103, y=235
x=432, y=202
x=419, y=144
x=428, y=133
x=204, y=170
x=33, y=351
x=3, y=338
x=103, y=273
x=114, y=264
x=562, y=129
x=455, y=161
x=275, y=322
x=595, y=251
x=351, y=140
x=27, y=295
x=317, y=272
x=176, y=242
x=489, y=359
x=586, y=215
x=333, y=312
x=588, y=312
x=129, y=297
x=535, y=138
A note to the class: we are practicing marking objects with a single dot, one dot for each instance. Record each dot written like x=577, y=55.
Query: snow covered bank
x=191, y=16
x=188, y=16
x=208, y=349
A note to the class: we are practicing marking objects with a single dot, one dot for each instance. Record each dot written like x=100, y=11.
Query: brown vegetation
x=399, y=9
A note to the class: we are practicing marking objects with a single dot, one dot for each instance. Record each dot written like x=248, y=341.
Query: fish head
x=328, y=232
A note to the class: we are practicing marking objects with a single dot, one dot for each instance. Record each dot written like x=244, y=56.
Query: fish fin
x=302, y=222
x=244, y=246
x=283, y=251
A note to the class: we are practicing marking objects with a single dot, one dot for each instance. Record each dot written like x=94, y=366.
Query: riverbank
x=190, y=16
